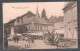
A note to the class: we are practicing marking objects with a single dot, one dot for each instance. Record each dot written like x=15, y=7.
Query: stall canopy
x=60, y=31
x=36, y=33
x=39, y=33
x=19, y=34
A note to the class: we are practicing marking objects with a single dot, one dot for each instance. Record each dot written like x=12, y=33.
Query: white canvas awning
x=60, y=31
x=40, y=33
x=18, y=34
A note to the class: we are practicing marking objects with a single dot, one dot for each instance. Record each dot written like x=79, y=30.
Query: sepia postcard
x=40, y=25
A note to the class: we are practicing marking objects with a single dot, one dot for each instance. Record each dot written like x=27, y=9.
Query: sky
x=13, y=10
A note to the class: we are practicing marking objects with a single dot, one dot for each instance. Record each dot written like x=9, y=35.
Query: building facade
x=59, y=26
x=33, y=22
x=70, y=20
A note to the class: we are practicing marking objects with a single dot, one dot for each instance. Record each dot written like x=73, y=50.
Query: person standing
x=6, y=44
x=29, y=41
x=14, y=38
x=26, y=42
x=17, y=38
x=5, y=39
x=32, y=41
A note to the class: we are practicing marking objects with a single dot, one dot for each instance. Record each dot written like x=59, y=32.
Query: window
x=70, y=15
x=29, y=27
x=38, y=27
x=22, y=20
x=75, y=13
x=17, y=20
x=76, y=29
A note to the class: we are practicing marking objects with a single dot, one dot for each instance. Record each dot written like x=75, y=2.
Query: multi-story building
x=59, y=26
x=70, y=20
x=52, y=20
x=32, y=21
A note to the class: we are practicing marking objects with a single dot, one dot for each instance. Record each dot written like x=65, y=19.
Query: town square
x=40, y=25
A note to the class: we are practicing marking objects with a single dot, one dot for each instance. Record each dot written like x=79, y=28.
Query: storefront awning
x=18, y=34
x=40, y=33
x=60, y=31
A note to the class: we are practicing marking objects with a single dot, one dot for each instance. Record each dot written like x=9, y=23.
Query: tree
x=43, y=15
x=21, y=29
x=52, y=19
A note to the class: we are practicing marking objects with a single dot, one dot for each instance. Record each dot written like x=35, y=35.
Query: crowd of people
x=28, y=41
x=16, y=39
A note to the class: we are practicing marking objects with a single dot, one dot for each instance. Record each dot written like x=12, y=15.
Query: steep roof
x=28, y=20
x=11, y=21
x=28, y=14
x=29, y=17
x=61, y=18
x=68, y=4
x=39, y=20
x=36, y=19
x=32, y=17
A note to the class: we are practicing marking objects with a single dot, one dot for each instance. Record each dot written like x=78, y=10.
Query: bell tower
x=37, y=13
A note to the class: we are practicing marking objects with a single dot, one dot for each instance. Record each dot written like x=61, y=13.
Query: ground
x=38, y=44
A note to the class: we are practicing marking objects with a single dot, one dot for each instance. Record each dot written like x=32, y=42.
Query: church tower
x=37, y=13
